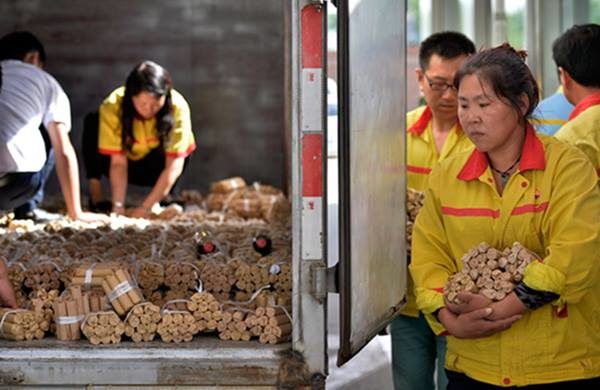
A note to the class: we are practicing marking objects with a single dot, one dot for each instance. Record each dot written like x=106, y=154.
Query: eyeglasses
x=438, y=86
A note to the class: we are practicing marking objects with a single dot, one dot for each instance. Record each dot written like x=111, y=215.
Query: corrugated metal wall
x=226, y=57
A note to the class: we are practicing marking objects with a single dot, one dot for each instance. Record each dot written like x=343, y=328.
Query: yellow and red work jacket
x=421, y=152
x=422, y=155
x=583, y=129
x=552, y=206
x=180, y=140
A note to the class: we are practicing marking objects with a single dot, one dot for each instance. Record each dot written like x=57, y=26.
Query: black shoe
x=104, y=206
x=38, y=216
x=170, y=199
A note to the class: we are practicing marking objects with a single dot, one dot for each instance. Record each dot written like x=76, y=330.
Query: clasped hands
x=478, y=316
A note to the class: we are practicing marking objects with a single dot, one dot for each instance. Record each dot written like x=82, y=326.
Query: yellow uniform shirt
x=180, y=140
x=421, y=151
x=552, y=206
x=422, y=155
x=583, y=129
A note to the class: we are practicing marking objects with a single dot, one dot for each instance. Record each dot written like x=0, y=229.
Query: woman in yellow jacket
x=515, y=186
x=144, y=138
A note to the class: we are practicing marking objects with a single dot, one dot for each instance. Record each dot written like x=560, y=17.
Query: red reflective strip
x=312, y=37
x=420, y=170
x=530, y=208
x=110, y=151
x=439, y=289
x=185, y=153
x=312, y=165
x=470, y=212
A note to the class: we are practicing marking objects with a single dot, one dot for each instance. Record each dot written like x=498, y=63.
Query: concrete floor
x=369, y=369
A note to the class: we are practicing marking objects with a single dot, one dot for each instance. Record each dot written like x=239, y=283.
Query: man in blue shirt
x=552, y=113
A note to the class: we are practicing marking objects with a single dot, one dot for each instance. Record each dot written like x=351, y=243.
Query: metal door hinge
x=318, y=276
x=323, y=280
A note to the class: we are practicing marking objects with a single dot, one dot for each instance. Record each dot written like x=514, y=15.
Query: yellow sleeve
x=577, y=133
x=592, y=152
x=432, y=262
x=181, y=138
x=571, y=228
x=109, y=132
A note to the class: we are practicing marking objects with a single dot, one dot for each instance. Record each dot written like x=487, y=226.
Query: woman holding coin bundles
x=515, y=186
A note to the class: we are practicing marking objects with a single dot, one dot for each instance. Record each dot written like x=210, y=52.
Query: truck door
x=371, y=72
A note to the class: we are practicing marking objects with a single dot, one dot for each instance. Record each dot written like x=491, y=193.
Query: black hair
x=16, y=45
x=505, y=70
x=150, y=77
x=577, y=51
x=446, y=44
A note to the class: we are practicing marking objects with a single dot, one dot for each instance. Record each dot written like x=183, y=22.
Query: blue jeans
x=415, y=349
x=25, y=190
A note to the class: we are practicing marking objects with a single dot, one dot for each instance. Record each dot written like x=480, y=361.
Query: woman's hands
x=118, y=180
x=474, y=324
x=86, y=216
x=508, y=307
x=139, y=212
x=469, y=302
x=478, y=316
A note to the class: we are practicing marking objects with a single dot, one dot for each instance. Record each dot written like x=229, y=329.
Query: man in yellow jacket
x=577, y=55
x=433, y=134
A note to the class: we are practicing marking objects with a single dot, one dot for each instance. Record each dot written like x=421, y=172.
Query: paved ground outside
x=370, y=369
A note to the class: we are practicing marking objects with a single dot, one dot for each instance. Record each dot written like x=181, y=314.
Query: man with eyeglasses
x=433, y=134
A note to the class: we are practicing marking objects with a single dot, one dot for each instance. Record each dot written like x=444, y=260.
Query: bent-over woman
x=144, y=137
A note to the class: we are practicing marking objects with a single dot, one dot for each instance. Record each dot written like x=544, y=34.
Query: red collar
x=420, y=125
x=586, y=103
x=532, y=157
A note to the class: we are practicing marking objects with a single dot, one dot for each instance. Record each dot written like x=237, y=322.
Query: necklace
x=505, y=175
